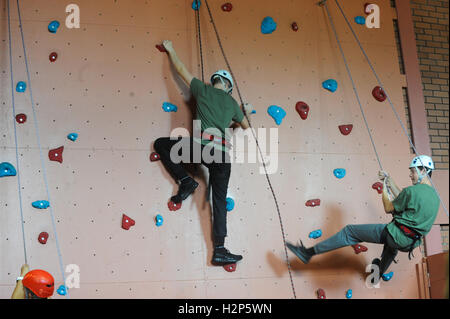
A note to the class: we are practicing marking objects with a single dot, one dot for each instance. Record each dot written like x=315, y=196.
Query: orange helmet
x=40, y=282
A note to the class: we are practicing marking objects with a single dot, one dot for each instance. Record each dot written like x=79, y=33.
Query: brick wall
x=431, y=27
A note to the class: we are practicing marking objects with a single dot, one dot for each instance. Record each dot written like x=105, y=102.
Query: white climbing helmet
x=422, y=161
x=226, y=75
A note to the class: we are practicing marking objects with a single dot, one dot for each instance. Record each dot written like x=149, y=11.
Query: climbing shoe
x=222, y=257
x=186, y=188
x=300, y=251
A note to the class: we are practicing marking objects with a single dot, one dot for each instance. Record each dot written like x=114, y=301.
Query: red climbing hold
x=56, y=154
x=230, y=267
x=302, y=109
x=21, y=118
x=379, y=94
x=313, y=203
x=43, y=238
x=161, y=48
x=321, y=294
x=227, y=7
x=378, y=186
x=294, y=26
x=359, y=248
x=346, y=129
x=173, y=206
x=127, y=222
x=53, y=56
x=154, y=157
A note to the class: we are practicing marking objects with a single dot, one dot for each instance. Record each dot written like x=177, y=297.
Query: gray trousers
x=369, y=233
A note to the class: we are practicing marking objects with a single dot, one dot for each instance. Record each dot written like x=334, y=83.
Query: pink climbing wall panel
x=108, y=85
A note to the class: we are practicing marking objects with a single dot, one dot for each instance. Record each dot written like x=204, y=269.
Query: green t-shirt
x=215, y=109
x=416, y=207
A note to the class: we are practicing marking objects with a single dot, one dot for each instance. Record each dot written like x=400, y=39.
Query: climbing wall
x=108, y=84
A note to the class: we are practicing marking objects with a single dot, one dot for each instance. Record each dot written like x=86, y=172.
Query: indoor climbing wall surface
x=108, y=84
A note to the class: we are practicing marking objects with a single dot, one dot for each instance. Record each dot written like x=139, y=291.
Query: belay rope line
x=324, y=3
x=251, y=128
x=44, y=173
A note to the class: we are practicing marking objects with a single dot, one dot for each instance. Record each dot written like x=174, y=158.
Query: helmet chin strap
x=223, y=82
x=421, y=176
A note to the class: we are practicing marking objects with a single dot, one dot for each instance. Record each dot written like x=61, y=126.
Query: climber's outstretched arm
x=179, y=66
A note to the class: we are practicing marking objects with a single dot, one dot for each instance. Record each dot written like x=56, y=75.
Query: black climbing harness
x=410, y=233
x=251, y=128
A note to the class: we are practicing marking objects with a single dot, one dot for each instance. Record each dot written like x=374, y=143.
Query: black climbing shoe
x=223, y=257
x=299, y=251
x=376, y=262
x=186, y=188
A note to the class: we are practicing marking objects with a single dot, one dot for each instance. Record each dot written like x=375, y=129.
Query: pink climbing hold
x=302, y=109
x=42, y=238
x=313, y=203
x=378, y=187
x=294, y=26
x=154, y=157
x=161, y=48
x=56, y=154
x=346, y=129
x=173, y=206
x=359, y=248
x=321, y=294
x=227, y=7
x=127, y=222
x=21, y=118
x=379, y=94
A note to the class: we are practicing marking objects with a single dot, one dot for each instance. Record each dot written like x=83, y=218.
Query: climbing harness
x=257, y=144
x=37, y=136
x=323, y=3
x=410, y=233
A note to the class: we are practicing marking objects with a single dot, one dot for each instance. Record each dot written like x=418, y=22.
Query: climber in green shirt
x=216, y=111
x=414, y=210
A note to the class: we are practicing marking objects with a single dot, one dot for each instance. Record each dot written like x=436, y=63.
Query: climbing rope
x=37, y=134
x=197, y=14
x=15, y=135
x=324, y=3
x=257, y=144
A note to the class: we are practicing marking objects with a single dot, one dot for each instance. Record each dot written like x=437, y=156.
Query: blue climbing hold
x=53, y=26
x=159, y=220
x=41, y=204
x=277, y=113
x=388, y=276
x=349, y=294
x=196, y=4
x=360, y=20
x=339, y=172
x=169, y=107
x=330, y=85
x=62, y=290
x=268, y=25
x=315, y=234
x=72, y=136
x=230, y=204
x=21, y=87
x=6, y=169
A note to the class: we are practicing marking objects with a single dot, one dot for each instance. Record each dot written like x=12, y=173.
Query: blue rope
x=405, y=131
x=15, y=136
x=40, y=149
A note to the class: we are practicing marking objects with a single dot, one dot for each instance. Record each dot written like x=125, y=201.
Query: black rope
x=197, y=14
x=257, y=144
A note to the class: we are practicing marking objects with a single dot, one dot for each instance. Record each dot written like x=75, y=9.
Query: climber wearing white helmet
x=414, y=210
x=216, y=110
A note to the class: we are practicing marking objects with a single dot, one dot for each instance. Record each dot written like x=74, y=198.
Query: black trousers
x=219, y=175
